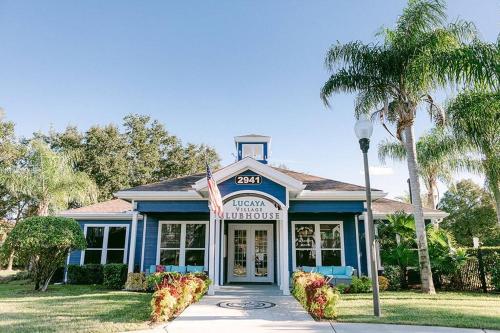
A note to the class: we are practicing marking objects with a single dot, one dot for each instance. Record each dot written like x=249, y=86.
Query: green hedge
x=85, y=274
x=115, y=276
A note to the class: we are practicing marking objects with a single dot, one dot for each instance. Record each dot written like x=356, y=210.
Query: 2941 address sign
x=248, y=179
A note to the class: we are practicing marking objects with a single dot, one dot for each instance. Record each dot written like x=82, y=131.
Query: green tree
x=48, y=180
x=438, y=158
x=471, y=214
x=419, y=55
x=44, y=241
x=474, y=117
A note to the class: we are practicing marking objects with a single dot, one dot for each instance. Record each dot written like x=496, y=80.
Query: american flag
x=214, y=195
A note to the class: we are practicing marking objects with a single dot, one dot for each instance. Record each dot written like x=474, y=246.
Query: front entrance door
x=250, y=253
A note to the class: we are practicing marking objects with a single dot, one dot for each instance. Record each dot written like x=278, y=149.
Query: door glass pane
x=169, y=257
x=195, y=257
x=305, y=258
x=92, y=257
x=330, y=258
x=116, y=237
x=171, y=235
x=114, y=257
x=304, y=236
x=95, y=237
x=261, y=253
x=240, y=253
x=195, y=236
x=330, y=236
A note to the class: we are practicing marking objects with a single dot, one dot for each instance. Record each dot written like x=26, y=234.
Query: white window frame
x=317, y=240
x=105, y=248
x=182, y=249
x=254, y=145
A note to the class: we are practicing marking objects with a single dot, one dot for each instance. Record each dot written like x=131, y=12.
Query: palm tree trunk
x=431, y=190
x=11, y=261
x=423, y=252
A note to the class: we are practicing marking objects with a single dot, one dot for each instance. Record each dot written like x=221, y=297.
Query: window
x=318, y=244
x=182, y=243
x=254, y=150
x=106, y=244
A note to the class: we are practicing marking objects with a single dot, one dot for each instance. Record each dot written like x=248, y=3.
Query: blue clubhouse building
x=275, y=221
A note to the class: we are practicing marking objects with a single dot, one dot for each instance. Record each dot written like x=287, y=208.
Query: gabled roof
x=382, y=207
x=114, y=209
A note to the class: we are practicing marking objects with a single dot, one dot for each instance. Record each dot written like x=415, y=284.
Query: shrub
x=44, y=242
x=175, y=292
x=136, y=282
x=393, y=275
x=383, y=283
x=23, y=275
x=315, y=295
x=85, y=274
x=114, y=276
x=495, y=277
x=362, y=284
x=342, y=288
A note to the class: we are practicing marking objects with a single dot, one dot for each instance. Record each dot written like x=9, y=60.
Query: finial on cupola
x=254, y=146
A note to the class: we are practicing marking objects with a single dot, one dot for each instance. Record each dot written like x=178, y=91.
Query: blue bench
x=334, y=274
x=178, y=269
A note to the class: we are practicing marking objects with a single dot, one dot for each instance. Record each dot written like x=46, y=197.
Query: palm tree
x=48, y=180
x=438, y=158
x=419, y=55
x=475, y=122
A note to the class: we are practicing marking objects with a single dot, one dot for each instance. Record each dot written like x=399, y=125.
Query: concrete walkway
x=206, y=317
x=286, y=316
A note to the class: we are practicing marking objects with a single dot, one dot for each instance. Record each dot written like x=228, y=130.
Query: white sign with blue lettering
x=251, y=208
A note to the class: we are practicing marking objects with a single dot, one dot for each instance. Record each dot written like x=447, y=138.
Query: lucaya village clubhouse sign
x=250, y=208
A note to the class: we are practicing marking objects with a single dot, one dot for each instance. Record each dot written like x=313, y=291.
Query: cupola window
x=253, y=150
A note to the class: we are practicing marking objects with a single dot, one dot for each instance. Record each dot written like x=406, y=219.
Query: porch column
x=285, y=273
x=217, y=255
x=133, y=238
x=211, y=252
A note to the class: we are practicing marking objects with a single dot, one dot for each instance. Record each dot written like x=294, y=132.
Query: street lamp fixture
x=364, y=130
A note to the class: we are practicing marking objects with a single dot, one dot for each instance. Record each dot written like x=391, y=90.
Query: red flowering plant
x=315, y=294
x=174, y=292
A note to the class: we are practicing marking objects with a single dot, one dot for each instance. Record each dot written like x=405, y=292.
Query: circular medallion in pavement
x=246, y=305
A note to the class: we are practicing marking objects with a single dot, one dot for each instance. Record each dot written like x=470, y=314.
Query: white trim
x=427, y=215
x=252, y=139
x=317, y=236
x=249, y=163
x=358, y=251
x=158, y=195
x=337, y=195
x=133, y=242
x=182, y=248
x=105, y=248
x=99, y=216
x=144, y=223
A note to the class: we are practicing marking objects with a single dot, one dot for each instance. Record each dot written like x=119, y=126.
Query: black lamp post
x=364, y=130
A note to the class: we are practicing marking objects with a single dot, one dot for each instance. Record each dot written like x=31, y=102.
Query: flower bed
x=174, y=292
x=316, y=296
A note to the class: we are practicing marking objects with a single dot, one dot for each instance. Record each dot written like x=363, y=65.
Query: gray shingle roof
x=384, y=206
x=313, y=183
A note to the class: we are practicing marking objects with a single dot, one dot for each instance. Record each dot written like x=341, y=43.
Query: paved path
x=286, y=316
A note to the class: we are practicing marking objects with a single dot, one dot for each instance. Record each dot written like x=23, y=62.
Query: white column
x=217, y=255
x=285, y=273
x=133, y=236
x=358, y=252
x=222, y=255
x=367, y=245
x=144, y=222
x=211, y=253
x=278, y=254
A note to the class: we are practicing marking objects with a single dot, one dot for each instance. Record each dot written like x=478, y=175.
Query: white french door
x=250, y=253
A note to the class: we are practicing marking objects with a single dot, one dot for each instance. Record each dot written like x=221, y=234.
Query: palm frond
x=421, y=15
x=391, y=149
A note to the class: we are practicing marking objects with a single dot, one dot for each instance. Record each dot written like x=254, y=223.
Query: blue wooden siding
x=176, y=206
x=151, y=241
x=267, y=186
x=316, y=206
x=362, y=247
x=349, y=234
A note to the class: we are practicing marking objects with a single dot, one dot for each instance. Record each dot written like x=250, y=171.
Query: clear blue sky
x=209, y=70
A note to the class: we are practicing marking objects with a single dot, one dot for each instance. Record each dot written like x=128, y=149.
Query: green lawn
x=69, y=308
x=473, y=310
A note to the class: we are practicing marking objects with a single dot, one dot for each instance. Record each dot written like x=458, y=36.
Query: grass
x=454, y=309
x=70, y=308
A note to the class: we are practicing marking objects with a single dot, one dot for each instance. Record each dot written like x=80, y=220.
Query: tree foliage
x=44, y=242
x=471, y=214
x=475, y=123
